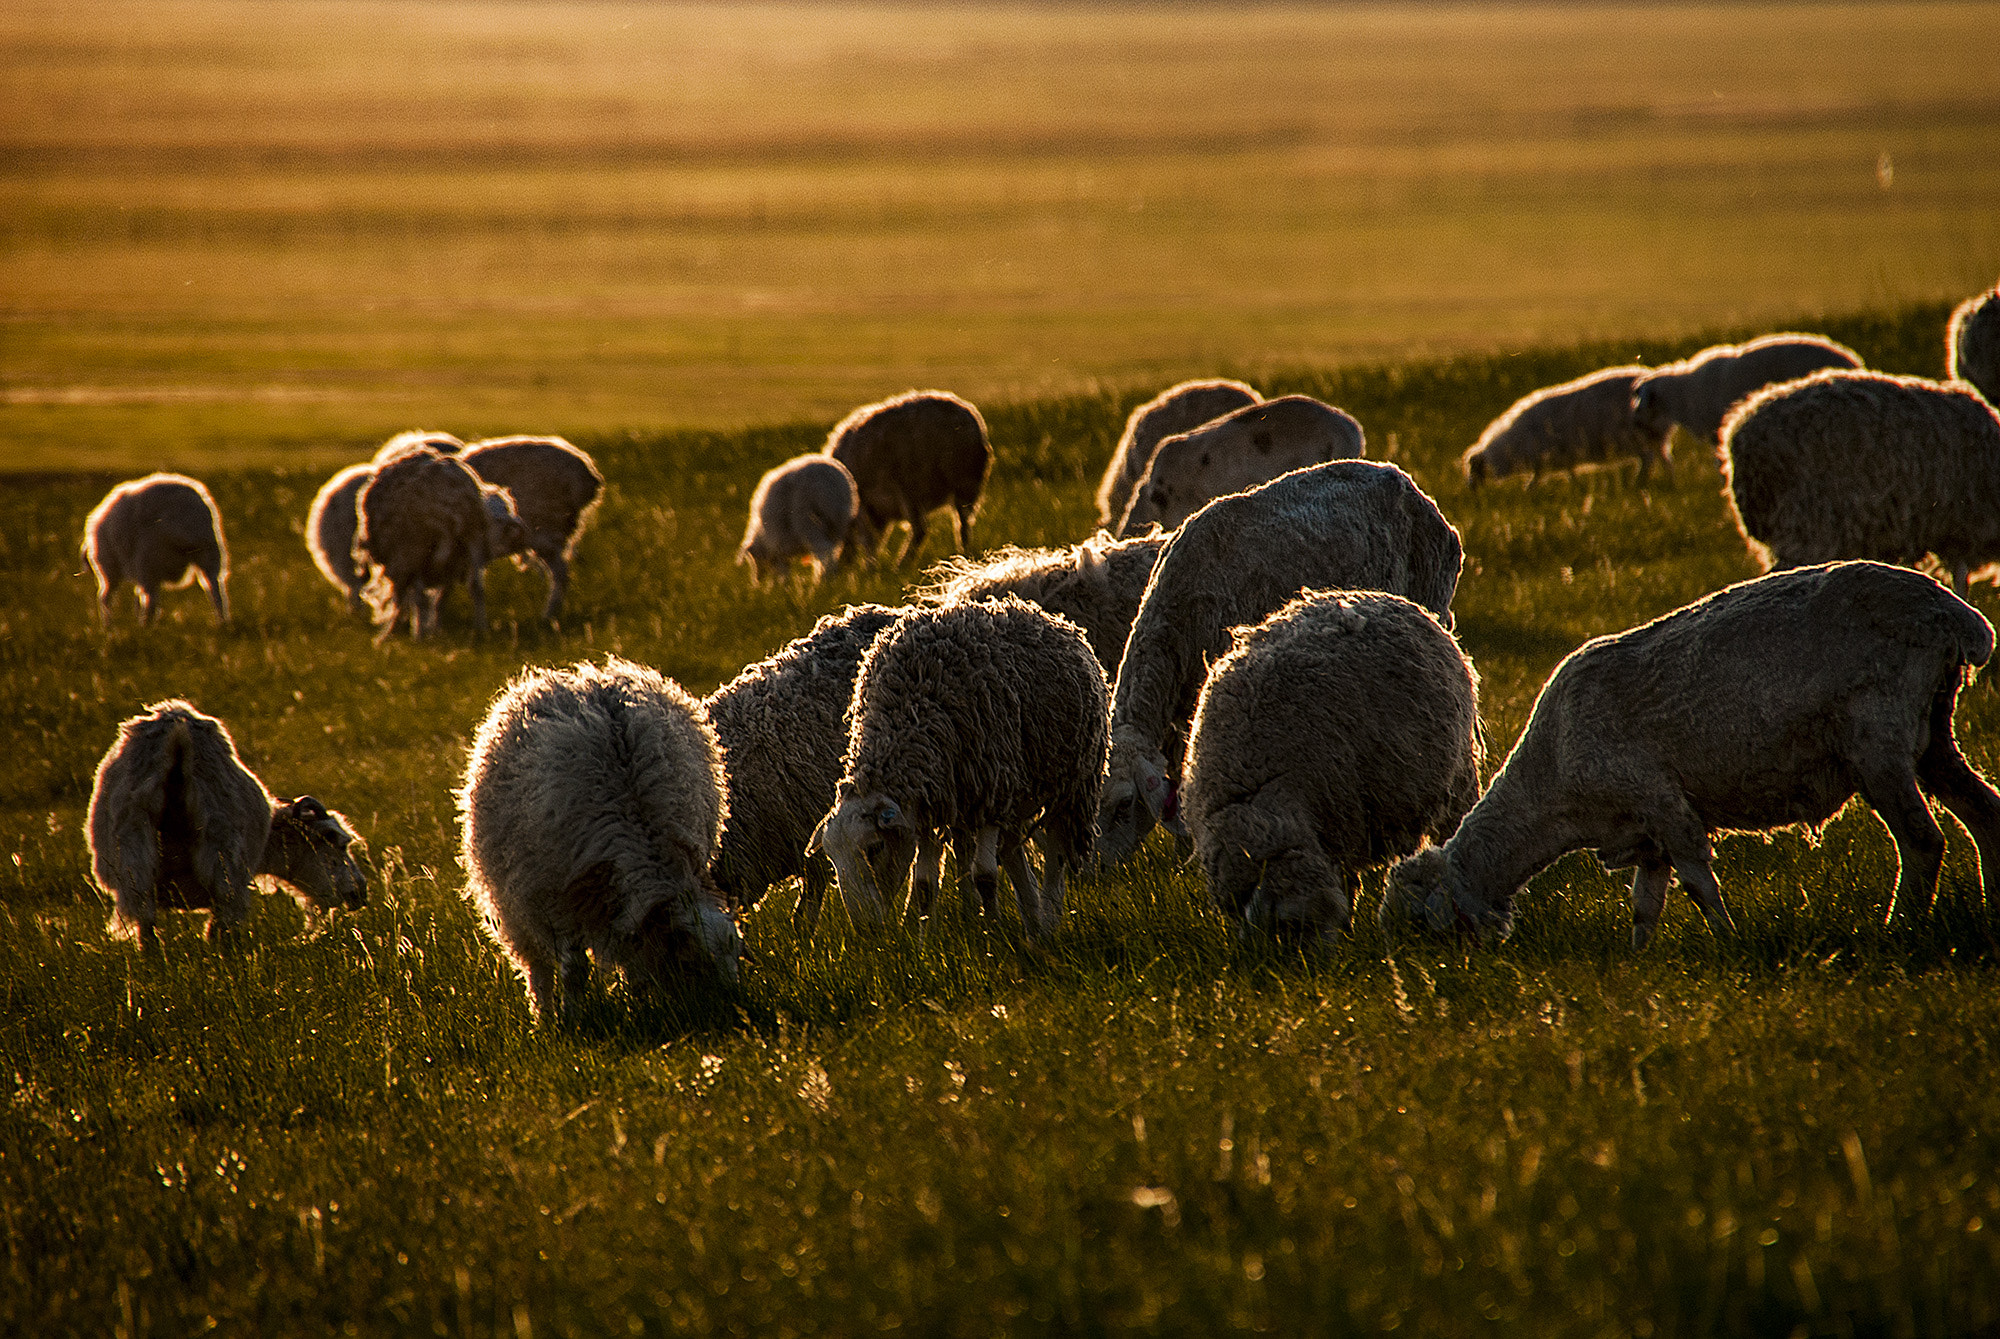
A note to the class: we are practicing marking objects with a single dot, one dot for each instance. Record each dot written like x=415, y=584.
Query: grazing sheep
x=1698, y=392
x=782, y=724
x=330, y=527
x=910, y=455
x=162, y=530
x=803, y=508
x=441, y=442
x=177, y=820
x=1335, y=735
x=1972, y=344
x=1173, y=411
x=1348, y=525
x=1581, y=422
x=592, y=802
x=1863, y=465
x=555, y=489
x=1251, y=446
x=985, y=718
x=1766, y=704
x=427, y=522
x=1095, y=585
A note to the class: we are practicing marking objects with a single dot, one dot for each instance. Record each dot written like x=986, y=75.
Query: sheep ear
x=1090, y=562
x=817, y=842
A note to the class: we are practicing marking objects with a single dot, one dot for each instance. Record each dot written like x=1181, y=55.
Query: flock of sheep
x=1256, y=653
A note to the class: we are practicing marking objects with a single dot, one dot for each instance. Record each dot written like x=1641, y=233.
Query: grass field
x=273, y=231
x=1142, y=1129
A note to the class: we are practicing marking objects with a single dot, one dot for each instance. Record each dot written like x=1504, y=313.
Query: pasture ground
x=1141, y=1129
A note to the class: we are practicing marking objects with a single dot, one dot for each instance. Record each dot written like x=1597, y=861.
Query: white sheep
x=1337, y=734
x=1864, y=465
x=1699, y=392
x=1250, y=446
x=1096, y=584
x=177, y=820
x=1175, y=410
x=1766, y=704
x=555, y=489
x=1972, y=344
x=1347, y=525
x=427, y=522
x=1581, y=422
x=592, y=802
x=782, y=725
x=803, y=508
x=985, y=719
x=909, y=455
x=162, y=530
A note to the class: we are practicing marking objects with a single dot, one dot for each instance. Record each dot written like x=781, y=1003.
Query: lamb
x=177, y=820
x=1095, y=585
x=1335, y=735
x=802, y=508
x=1645, y=743
x=1253, y=445
x=1585, y=421
x=985, y=718
x=1864, y=465
x=1698, y=392
x=162, y=530
x=330, y=527
x=555, y=489
x=782, y=725
x=1349, y=525
x=592, y=802
x=1972, y=344
x=1173, y=411
x=910, y=455
x=427, y=522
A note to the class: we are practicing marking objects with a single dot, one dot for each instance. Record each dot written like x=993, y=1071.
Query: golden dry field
x=250, y=230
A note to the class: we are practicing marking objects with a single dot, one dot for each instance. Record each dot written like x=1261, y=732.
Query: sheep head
x=1137, y=795
x=1427, y=894
x=1299, y=900
x=308, y=850
x=684, y=939
x=1649, y=410
x=872, y=842
x=505, y=531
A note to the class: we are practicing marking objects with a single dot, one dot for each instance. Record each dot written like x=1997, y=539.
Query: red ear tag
x=1172, y=808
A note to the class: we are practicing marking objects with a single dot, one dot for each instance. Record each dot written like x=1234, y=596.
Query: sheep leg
x=211, y=581
x=573, y=972
x=1894, y=796
x=964, y=849
x=557, y=567
x=147, y=596
x=1944, y=772
x=475, y=582
x=541, y=975
x=1961, y=580
x=986, y=870
x=927, y=875
x=961, y=522
x=805, y=916
x=1035, y=918
x=917, y=533
x=1053, y=888
x=1649, y=899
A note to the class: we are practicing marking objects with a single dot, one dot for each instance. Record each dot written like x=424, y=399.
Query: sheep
x=1349, y=524
x=1697, y=392
x=1766, y=704
x=1972, y=344
x=1580, y=422
x=984, y=718
x=162, y=530
x=441, y=442
x=1173, y=411
x=802, y=508
x=427, y=522
x=555, y=489
x=1253, y=445
x=592, y=802
x=330, y=527
x=1095, y=585
x=1335, y=735
x=782, y=725
x=177, y=820
x=1865, y=465
x=909, y=455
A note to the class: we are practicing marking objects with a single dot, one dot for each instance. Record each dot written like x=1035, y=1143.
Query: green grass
x=1142, y=1128
x=276, y=231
